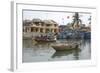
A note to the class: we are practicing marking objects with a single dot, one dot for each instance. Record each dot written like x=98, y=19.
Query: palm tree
x=76, y=20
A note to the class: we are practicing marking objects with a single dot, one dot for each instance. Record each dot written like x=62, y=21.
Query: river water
x=41, y=52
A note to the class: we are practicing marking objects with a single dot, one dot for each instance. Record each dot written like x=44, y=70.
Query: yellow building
x=39, y=26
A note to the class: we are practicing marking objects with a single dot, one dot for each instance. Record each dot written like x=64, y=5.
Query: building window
x=48, y=25
x=55, y=30
x=32, y=29
x=47, y=30
x=41, y=30
x=42, y=24
x=37, y=23
x=55, y=25
x=51, y=30
x=36, y=29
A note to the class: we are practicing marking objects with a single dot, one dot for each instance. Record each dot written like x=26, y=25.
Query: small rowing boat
x=63, y=47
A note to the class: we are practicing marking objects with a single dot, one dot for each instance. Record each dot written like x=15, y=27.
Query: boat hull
x=62, y=47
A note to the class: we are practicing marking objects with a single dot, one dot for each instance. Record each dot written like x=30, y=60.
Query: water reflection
x=65, y=53
x=35, y=52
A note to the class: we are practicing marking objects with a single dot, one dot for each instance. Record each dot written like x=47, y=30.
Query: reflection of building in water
x=39, y=26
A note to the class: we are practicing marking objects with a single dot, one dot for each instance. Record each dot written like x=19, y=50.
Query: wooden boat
x=44, y=39
x=65, y=47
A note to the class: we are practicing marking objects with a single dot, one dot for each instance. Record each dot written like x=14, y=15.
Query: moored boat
x=63, y=47
x=45, y=39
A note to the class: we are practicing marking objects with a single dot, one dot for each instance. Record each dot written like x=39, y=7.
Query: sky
x=62, y=18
